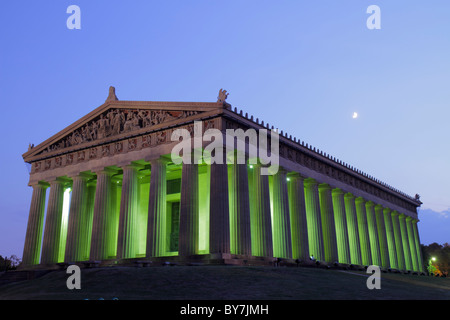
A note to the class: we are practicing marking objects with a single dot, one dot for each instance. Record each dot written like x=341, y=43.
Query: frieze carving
x=106, y=150
x=132, y=144
x=58, y=162
x=115, y=122
x=69, y=158
x=119, y=147
x=146, y=141
x=92, y=153
x=80, y=156
x=161, y=137
x=47, y=164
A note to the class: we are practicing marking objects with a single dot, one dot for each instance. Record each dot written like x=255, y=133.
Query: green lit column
x=129, y=205
x=238, y=191
x=341, y=226
x=281, y=226
x=260, y=216
x=219, y=221
x=91, y=186
x=328, y=223
x=417, y=242
x=33, y=238
x=156, y=223
x=114, y=216
x=373, y=234
x=412, y=244
x=398, y=240
x=297, y=211
x=188, y=242
x=405, y=242
x=390, y=237
x=366, y=256
x=313, y=219
x=52, y=232
x=381, y=228
x=353, y=233
x=77, y=224
x=103, y=204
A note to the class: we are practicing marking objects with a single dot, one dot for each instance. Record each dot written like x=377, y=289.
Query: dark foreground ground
x=226, y=283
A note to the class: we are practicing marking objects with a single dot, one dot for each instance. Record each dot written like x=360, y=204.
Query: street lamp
x=431, y=268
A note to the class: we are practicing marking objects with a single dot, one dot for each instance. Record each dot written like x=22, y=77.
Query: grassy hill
x=226, y=282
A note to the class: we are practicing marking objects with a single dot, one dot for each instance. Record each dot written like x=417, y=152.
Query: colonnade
x=121, y=213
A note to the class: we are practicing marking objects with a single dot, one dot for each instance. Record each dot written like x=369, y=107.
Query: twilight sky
x=302, y=66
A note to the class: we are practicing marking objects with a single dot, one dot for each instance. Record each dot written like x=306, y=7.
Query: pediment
x=117, y=120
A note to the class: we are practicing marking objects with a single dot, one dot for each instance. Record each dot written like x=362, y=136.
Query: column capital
x=324, y=186
x=295, y=176
x=41, y=184
x=64, y=181
x=337, y=191
x=378, y=207
x=386, y=210
x=370, y=204
x=105, y=170
x=310, y=182
x=395, y=213
x=349, y=195
x=82, y=175
x=132, y=165
x=158, y=160
x=360, y=199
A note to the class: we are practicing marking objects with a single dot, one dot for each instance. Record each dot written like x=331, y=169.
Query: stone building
x=115, y=196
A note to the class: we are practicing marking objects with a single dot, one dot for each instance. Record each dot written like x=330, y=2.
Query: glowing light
x=355, y=115
x=433, y=258
x=64, y=223
x=251, y=166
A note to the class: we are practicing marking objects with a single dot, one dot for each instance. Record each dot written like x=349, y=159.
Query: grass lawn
x=226, y=283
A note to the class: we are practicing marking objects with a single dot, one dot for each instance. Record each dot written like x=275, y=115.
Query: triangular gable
x=118, y=119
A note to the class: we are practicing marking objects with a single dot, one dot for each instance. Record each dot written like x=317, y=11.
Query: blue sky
x=302, y=66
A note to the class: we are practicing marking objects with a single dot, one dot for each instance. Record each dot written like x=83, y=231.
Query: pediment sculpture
x=223, y=95
x=115, y=122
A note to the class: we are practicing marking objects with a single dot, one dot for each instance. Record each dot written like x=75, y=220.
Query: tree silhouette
x=10, y=263
x=441, y=253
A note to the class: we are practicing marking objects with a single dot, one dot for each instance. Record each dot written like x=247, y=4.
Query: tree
x=441, y=253
x=10, y=263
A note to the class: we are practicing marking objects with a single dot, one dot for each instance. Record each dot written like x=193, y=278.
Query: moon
x=355, y=115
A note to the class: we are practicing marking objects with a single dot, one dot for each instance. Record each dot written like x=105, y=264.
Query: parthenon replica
x=117, y=197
